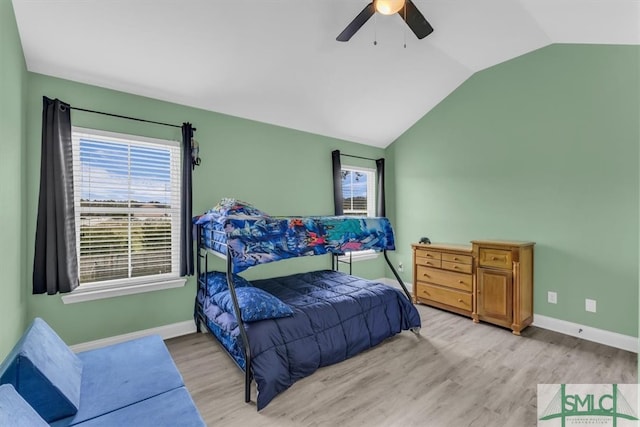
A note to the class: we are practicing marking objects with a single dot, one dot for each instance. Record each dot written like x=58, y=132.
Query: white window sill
x=359, y=256
x=96, y=292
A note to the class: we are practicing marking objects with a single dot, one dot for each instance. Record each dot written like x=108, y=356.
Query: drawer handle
x=461, y=281
x=455, y=258
x=494, y=258
x=460, y=300
x=425, y=274
x=455, y=267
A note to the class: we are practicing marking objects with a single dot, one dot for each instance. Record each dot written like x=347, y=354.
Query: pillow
x=45, y=372
x=228, y=206
x=217, y=282
x=255, y=304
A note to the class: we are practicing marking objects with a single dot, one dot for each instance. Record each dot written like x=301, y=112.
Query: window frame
x=371, y=187
x=366, y=254
x=117, y=287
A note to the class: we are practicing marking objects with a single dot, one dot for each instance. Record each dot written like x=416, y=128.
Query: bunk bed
x=282, y=329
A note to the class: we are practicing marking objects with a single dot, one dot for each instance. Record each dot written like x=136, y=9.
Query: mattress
x=336, y=316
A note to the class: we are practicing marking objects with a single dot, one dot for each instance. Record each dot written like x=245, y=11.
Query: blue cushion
x=122, y=374
x=14, y=411
x=45, y=372
x=255, y=304
x=217, y=282
x=173, y=408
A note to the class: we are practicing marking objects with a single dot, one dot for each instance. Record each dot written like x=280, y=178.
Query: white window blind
x=127, y=201
x=358, y=191
x=358, y=198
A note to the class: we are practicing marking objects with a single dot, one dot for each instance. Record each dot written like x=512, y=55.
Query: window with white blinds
x=358, y=191
x=127, y=206
x=359, y=198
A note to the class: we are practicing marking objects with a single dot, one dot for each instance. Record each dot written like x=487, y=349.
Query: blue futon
x=131, y=383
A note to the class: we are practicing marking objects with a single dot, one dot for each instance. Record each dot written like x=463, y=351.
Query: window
x=358, y=197
x=127, y=208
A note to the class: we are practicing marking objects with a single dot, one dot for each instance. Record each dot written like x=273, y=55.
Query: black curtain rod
x=358, y=157
x=127, y=117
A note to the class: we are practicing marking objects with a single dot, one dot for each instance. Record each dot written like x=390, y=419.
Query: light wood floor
x=456, y=374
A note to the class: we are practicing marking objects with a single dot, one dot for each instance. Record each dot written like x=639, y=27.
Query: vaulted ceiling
x=278, y=61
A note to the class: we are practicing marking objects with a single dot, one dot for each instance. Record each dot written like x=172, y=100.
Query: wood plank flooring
x=455, y=374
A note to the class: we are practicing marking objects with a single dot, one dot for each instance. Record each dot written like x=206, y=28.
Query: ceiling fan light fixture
x=388, y=7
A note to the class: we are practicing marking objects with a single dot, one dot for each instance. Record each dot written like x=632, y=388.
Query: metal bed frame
x=200, y=318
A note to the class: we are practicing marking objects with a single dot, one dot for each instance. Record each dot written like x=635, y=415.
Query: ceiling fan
x=405, y=8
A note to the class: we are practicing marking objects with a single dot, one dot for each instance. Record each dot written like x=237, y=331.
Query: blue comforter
x=336, y=316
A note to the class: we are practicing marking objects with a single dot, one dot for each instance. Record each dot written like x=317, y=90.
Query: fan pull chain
x=404, y=32
x=375, y=30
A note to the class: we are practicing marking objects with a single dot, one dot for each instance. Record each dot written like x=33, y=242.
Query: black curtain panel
x=380, y=201
x=55, y=264
x=186, y=235
x=337, y=183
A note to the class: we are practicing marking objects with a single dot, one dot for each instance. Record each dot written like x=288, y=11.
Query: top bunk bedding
x=251, y=237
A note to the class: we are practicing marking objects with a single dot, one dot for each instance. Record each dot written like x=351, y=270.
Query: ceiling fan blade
x=358, y=22
x=415, y=20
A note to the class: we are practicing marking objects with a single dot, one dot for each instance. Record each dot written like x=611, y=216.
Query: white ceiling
x=277, y=61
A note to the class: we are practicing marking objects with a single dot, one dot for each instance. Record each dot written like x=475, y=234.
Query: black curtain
x=55, y=263
x=337, y=183
x=186, y=235
x=380, y=202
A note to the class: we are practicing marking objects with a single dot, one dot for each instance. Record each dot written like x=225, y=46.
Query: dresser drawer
x=462, y=259
x=456, y=266
x=427, y=254
x=445, y=278
x=428, y=262
x=498, y=258
x=445, y=296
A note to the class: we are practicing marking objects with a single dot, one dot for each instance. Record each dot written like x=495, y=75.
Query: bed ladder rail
x=395, y=273
x=243, y=332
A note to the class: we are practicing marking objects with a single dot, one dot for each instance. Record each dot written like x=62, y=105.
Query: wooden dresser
x=504, y=283
x=489, y=280
x=443, y=276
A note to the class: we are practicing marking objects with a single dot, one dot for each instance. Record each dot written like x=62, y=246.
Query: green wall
x=281, y=171
x=13, y=78
x=543, y=147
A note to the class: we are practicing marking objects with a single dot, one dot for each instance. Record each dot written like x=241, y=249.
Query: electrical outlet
x=552, y=297
x=400, y=267
x=590, y=305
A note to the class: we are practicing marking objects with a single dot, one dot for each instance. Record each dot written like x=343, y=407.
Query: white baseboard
x=613, y=339
x=167, y=331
